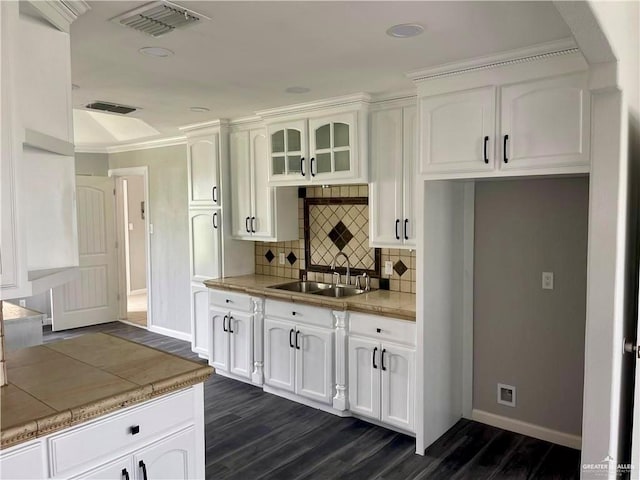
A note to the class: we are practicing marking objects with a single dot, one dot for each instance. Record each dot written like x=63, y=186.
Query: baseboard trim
x=137, y=292
x=170, y=333
x=524, y=428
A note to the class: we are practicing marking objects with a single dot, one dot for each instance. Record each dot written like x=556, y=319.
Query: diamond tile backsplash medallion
x=294, y=251
x=333, y=225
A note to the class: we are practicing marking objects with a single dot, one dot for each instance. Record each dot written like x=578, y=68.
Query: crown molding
x=357, y=99
x=129, y=147
x=60, y=13
x=204, y=128
x=522, y=55
x=385, y=100
x=246, y=121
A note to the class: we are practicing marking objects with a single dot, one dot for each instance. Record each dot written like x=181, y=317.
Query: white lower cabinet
x=299, y=359
x=200, y=320
x=232, y=342
x=158, y=439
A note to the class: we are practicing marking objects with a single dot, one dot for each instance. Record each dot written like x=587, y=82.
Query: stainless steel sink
x=339, y=291
x=303, y=287
x=318, y=288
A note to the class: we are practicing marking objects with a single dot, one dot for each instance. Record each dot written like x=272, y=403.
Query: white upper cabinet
x=259, y=212
x=393, y=176
x=288, y=153
x=204, y=171
x=545, y=124
x=458, y=131
x=333, y=149
x=536, y=127
x=205, y=244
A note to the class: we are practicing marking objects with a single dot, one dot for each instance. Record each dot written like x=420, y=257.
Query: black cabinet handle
x=214, y=219
x=253, y=224
x=230, y=318
x=313, y=159
x=297, y=344
x=214, y=197
x=504, y=149
x=224, y=324
x=302, y=166
x=486, y=141
x=384, y=350
x=134, y=430
x=373, y=359
x=291, y=338
x=397, y=223
x=144, y=469
x=246, y=224
x=124, y=474
x=406, y=221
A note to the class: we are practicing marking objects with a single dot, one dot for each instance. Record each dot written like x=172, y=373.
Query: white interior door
x=92, y=298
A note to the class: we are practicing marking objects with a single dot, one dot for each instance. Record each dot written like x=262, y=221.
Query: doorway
x=132, y=230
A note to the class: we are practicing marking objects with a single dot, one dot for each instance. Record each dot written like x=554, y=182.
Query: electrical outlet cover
x=388, y=267
x=281, y=258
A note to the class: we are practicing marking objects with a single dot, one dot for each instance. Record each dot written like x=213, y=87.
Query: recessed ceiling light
x=297, y=90
x=156, y=52
x=405, y=30
x=199, y=109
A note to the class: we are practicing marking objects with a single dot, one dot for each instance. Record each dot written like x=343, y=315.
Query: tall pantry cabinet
x=213, y=253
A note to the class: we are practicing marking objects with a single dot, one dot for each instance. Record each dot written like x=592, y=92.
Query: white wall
x=136, y=233
x=170, y=239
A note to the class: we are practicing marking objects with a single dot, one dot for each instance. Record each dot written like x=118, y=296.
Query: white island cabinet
x=161, y=438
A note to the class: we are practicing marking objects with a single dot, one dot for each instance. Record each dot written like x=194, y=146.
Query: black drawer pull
x=397, y=223
x=230, y=318
x=302, y=166
x=291, y=338
x=384, y=350
x=374, y=357
x=124, y=474
x=486, y=141
x=253, y=224
x=246, y=225
x=297, y=344
x=213, y=194
x=224, y=324
x=406, y=222
x=214, y=219
x=504, y=149
x=144, y=469
x=311, y=167
x=134, y=430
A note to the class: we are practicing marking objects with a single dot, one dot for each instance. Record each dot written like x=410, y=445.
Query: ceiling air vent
x=110, y=107
x=158, y=18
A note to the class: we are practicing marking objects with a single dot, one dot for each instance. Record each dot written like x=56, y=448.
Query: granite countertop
x=61, y=384
x=380, y=302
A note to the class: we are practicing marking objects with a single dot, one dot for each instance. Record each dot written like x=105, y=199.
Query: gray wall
x=170, y=239
x=523, y=335
x=92, y=164
x=137, y=250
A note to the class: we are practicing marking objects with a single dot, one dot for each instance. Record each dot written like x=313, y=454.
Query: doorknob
x=629, y=347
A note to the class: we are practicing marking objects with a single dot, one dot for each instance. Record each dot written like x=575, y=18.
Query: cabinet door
x=279, y=355
x=23, y=462
x=262, y=194
x=364, y=377
x=116, y=470
x=453, y=131
x=314, y=363
x=205, y=243
x=203, y=171
x=398, y=386
x=333, y=148
x=547, y=123
x=409, y=174
x=173, y=458
x=386, y=185
x=240, y=327
x=288, y=162
x=219, y=340
x=200, y=320
x=241, y=195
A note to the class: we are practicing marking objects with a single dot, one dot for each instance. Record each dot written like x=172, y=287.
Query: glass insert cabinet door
x=332, y=146
x=287, y=151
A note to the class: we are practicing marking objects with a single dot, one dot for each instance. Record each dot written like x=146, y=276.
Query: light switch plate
x=388, y=267
x=547, y=280
x=281, y=258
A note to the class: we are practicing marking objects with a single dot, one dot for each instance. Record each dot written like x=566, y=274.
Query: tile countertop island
x=58, y=385
x=380, y=302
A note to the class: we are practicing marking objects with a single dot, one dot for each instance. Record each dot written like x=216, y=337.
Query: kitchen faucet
x=333, y=266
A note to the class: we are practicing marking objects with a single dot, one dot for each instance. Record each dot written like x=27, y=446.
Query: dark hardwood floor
x=251, y=434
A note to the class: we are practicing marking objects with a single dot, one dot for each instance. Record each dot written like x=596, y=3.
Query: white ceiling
x=250, y=52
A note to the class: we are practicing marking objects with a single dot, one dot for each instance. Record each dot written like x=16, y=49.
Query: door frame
x=122, y=281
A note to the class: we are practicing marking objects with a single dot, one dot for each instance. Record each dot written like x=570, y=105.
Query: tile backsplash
x=325, y=242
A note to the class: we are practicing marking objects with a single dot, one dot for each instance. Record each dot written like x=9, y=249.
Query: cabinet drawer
x=103, y=438
x=230, y=300
x=382, y=328
x=296, y=312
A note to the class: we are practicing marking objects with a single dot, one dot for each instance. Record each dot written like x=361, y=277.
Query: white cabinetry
x=37, y=164
x=393, y=177
x=259, y=212
x=299, y=350
x=381, y=371
x=318, y=143
x=543, y=127
x=161, y=438
x=212, y=251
